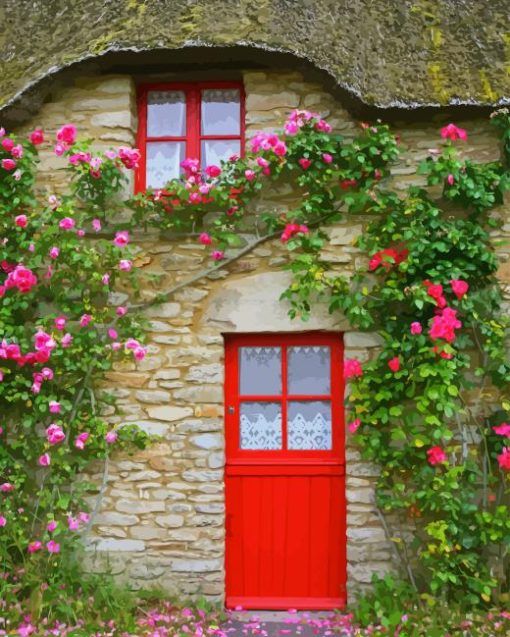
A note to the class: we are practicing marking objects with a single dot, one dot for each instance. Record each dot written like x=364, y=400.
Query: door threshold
x=285, y=604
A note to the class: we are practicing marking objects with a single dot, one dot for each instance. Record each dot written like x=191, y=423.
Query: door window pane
x=309, y=370
x=261, y=425
x=221, y=112
x=261, y=371
x=166, y=114
x=309, y=425
x=163, y=162
x=216, y=150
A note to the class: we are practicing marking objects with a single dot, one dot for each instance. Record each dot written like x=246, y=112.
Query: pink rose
x=354, y=425
x=450, y=179
x=416, y=328
x=53, y=547
x=394, y=364
x=17, y=151
x=54, y=252
x=8, y=164
x=105, y=279
x=67, y=339
x=139, y=353
x=125, y=265
x=7, y=144
x=55, y=434
x=121, y=311
x=81, y=439
x=352, y=368
x=116, y=346
x=51, y=526
x=504, y=459
x=33, y=547
x=121, y=239
x=502, y=430
x=37, y=137
x=205, y=239
x=67, y=134
x=55, y=407
x=250, y=175
x=436, y=455
x=96, y=225
x=44, y=460
x=73, y=524
x=217, y=255
x=85, y=320
x=84, y=517
x=60, y=322
x=21, y=221
x=453, y=132
x=111, y=437
x=304, y=163
x=67, y=223
x=3, y=521
x=47, y=373
x=327, y=158
x=459, y=287
x=213, y=171
x=113, y=333
x=6, y=487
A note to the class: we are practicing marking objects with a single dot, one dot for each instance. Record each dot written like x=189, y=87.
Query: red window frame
x=236, y=455
x=193, y=136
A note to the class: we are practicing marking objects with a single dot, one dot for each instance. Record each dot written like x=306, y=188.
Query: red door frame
x=286, y=462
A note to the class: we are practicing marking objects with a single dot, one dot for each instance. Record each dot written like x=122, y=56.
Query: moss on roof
x=388, y=53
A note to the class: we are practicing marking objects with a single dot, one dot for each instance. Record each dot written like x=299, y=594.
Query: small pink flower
x=304, y=163
x=121, y=239
x=54, y=201
x=394, y=364
x=31, y=247
x=352, y=368
x=502, y=430
x=6, y=487
x=113, y=333
x=327, y=158
x=47, y=373
x=105, y=279
x=17, y=151
x=84, y=517
x=44, y=460
x=54, y=252
x=450, y=179
x=67, y=223
x=205, y=239
x=51, y=526
x=37, y=137
x=55, y=434
x=85, y=320
x=459, y=287
x=96, y=225
x=132, y=343
x=416, y=328
x=67, y=339
x=217, y=255
x=53, y=547
x=125, y=265
x=261, y=161
x=453, y=132
x=7, y=144
x=17, y=174
x=139, y=353
x=60, y=149
x=80, y=233
x=116, y=346
x=121, y=311
x=195, y=197
x=3, y=521
x=55, y=407
x=21, y=221
x=250, y=175
x=73, y=524
x=33, y=547
x=354, y=425
x=213, y=171
x=436, y=455
x=111, y=437
x=8, y=164
x=80, y=440
x=60, y=322
x=67, y=134
x=504, y=459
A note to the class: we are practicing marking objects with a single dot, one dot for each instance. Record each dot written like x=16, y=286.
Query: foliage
x=430, y=408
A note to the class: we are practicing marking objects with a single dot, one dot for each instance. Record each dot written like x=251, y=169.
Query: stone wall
x=161, y=520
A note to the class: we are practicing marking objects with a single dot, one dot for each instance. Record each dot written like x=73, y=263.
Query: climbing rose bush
x=420, y=408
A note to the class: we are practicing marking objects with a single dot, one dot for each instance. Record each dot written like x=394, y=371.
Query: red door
x=285, y=486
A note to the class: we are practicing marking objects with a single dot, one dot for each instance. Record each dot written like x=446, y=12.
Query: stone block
x=139, y=506
x=200, y=394
x=138, y=476
x=114, y=518
x=169, y=412
x=163, y=310
x=196, y=565
x=170, y=521
x=208, y=441
x=206, y=373
x=362, y=339
x=116, y=119
x=113, y=544
x=152, y=396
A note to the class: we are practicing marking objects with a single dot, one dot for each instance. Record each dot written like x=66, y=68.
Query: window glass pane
x=221, y=112
x=163, y=162
x=214, y=151
x=309, y=370
x=166, y=113
x=261, y=426
x=309, y=425
x=260, y=371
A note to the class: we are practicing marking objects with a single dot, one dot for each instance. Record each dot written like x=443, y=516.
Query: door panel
x=285, y=487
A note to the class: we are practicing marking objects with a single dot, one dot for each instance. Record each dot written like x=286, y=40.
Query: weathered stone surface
x=163, y=310
x=114, y=518
x=362, y=340
x=207, y=441
x=169, y=413
x=171, y=521
x=139, y=506
x=111, y=544
x=196, y=566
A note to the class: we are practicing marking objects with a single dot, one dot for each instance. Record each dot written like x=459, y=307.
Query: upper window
x=202, y=121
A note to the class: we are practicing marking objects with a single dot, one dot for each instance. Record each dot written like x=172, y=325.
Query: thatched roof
x=387, y=53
